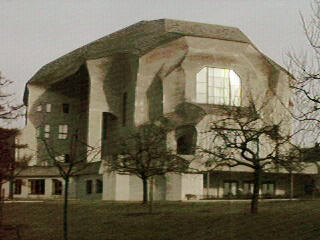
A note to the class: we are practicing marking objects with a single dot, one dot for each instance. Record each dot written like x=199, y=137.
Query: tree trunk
x=65, y=209
x=208, y=183
x=151, y=195
x=11, y=184
x=145, y=191
x=1, y=205
x=256, y=187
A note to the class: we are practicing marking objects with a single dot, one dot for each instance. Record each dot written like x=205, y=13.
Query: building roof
x=136, y=39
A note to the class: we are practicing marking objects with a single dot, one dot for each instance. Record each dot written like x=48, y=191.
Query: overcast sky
x=35, y=32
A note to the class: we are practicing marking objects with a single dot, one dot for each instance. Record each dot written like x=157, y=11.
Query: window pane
x=226, y=189
x=219, y=72
x=201, y=88
x=234, y=188
x=218, y=86
x=234, y=78
x=202, y=98
x=48, y=107
x=202, y=75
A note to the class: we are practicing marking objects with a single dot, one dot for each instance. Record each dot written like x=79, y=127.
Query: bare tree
x=143, y=152
x=69, y=165
x=305, y=67
x=241, y=137
x=9, y=109
x=10, y=167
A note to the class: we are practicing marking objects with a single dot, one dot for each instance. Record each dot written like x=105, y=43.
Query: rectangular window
x=37, y=186
x=230, y=188
x=17, y=186
x=48, y=107
x=89, y=186
x=63, y=132
x=66, y=158
x=99, y=185
x=57, y=187
x=65, y=108
x=39, y=108
x=268, y=188
x=47, y=131
x=248, y=188
x=63, y=158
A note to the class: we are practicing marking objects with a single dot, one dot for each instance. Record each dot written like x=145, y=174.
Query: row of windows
x=89, y=186
x=48, y=107
x=62, y=131
x=37, y=186
x=231, y=188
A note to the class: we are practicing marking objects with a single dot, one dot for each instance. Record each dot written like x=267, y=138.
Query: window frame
x=48, y=107
x=89, y=186
x=57, y=187
x=267, y=192
x=207, y=67
x=230, y=182
x=63, y=132
x=35, y=187
x=99, y=186
x=46, y=129
x=65, y=108
x=39, y=108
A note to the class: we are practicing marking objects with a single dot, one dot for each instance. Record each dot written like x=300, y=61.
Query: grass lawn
x=98, y=220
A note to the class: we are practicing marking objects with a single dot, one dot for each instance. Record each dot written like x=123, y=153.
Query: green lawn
x=100, y=220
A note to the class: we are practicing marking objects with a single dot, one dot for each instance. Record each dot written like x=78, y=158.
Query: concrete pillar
x=98, y=104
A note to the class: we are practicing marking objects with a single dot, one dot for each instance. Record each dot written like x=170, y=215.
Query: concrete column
x=191, y=184
x=48, y=187
x=98, y=104
x=174, y=184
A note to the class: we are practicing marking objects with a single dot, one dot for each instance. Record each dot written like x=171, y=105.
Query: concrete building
x=161, y=68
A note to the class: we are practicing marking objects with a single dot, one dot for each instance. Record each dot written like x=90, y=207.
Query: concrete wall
x=81, y=191
x=73, y=91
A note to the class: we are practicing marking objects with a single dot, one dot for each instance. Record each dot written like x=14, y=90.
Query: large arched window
x=218, y=86
x=186, y=137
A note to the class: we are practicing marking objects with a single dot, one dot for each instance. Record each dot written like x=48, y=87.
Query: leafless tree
x=10, y=167
x=305, y=67
x=9, y=109
x=144, y=152
x=68, y=166
x=241, y=137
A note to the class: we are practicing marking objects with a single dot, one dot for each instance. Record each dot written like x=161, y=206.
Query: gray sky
x=35, y=32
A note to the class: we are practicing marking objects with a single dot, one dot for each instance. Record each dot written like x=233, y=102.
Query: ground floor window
x=17, y=186
x=89, y=186
x=37, y=186
x=57, y=187
x=248, y=188
x=268, y=188
x=99, y=185
x=230, y=188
